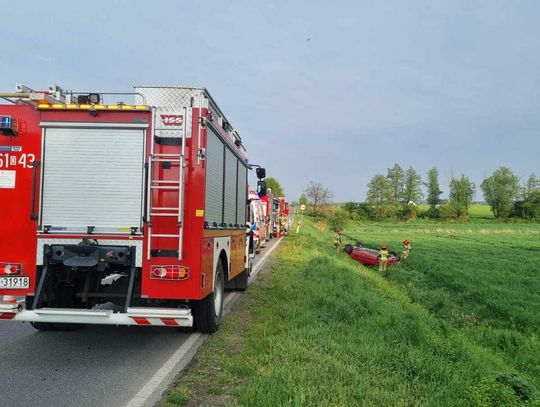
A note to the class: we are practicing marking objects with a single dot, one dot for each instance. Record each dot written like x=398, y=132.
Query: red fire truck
x=120, y=214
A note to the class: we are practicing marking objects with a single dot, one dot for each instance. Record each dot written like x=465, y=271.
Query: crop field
x=457, y=324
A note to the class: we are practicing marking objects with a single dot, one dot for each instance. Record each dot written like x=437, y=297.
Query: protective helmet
x=406, y=241
x=384, y=246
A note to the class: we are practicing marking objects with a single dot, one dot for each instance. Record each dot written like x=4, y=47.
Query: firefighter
x=406, y=249
x=383, y=257
x=284, y=220
x=337, y=239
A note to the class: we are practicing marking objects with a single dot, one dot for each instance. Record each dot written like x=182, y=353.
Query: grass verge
x=319, y=329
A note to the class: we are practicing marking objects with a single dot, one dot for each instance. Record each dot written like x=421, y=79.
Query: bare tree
x=318, y=195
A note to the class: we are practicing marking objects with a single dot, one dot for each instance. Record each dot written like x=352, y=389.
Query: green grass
x=481, y=211
x=458, y=324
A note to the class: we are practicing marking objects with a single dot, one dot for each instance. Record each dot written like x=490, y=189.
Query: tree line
x=396, y=195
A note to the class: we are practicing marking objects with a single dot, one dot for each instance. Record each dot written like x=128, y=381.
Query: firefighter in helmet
x=383, y=257
x=337, y=239
x=406, y=249
x=284, y=221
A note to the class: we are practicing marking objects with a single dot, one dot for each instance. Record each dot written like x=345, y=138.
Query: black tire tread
x=42, y=326
x=203, y=311
x=241, y=281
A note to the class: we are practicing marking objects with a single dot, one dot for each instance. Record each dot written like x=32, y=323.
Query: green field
x=458, y=324
x=476, y=211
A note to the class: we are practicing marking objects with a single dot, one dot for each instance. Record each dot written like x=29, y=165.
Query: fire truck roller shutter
x=241, y=194
x=214, y=179
x=92, y=177
x=231, y=164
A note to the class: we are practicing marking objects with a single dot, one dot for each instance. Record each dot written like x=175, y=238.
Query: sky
x=332, y=92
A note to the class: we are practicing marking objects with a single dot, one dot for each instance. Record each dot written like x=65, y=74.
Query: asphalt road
x=95, y=366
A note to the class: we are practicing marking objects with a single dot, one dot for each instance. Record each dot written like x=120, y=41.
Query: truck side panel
x=17, y=155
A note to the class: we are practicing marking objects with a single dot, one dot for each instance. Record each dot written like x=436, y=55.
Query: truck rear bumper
x=171, y=317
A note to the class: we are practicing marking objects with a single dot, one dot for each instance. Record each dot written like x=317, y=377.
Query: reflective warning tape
x=156, y=321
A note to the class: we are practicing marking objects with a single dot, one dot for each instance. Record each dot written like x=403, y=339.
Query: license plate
x=14, y=282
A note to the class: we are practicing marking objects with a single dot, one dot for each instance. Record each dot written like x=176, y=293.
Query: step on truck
x=117, y=213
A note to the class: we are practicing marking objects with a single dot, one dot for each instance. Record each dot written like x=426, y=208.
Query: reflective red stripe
x=7, y=316
x=141, y=321
x=169, y=321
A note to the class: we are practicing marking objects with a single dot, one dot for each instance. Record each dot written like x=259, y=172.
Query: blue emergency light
x=6, y=126
x=6, y=122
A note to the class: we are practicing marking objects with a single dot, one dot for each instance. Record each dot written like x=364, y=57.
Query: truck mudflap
x=170, y=317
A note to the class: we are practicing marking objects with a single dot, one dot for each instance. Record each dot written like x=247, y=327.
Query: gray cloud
x=329, y=91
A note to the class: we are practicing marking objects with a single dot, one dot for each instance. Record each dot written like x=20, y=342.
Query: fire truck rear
x=121, y=214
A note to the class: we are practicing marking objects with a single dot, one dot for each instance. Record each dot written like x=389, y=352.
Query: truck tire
x=208, y=312
x=66, y=327
x=250, y=267
x=42, y=326
x=241, y=280
x=62, y=301
x=65, y=298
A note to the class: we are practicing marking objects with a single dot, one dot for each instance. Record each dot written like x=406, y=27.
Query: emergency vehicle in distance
x=267, y=202
x=256, y=221
x=120, y=214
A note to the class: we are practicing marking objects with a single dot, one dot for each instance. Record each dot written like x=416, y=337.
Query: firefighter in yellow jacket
x=337, y=239
x=406, y=249
x=383, y=257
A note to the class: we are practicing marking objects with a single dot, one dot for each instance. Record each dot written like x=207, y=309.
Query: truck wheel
x=208, y=312
x=250, y=267
x=65, y=298
x=66, y=327
x=42, y=326
x=241, y=280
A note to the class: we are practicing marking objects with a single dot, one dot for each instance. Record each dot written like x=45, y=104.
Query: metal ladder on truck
x=169, y=185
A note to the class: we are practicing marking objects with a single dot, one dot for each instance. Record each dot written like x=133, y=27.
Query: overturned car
x=368, y=256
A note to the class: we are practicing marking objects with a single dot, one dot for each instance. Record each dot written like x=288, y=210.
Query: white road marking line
x=143, y=396
x=260, y=263
x=153, y=384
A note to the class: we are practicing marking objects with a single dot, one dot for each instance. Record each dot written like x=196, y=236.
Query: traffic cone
x=9, y=299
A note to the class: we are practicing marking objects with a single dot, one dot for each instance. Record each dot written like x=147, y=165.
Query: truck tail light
x=169, y=273
x=10, y=269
